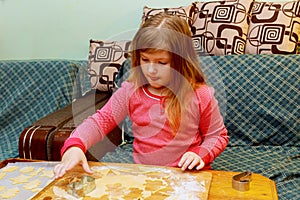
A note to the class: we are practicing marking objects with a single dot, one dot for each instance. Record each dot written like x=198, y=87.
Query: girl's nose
x=152, y=68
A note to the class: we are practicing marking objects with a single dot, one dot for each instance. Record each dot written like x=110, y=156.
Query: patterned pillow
x=274, y=28
x=221, y=27
x=182, y=11
x=105, y=59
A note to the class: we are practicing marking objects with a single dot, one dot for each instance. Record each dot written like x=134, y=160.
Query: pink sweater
x=202, y=129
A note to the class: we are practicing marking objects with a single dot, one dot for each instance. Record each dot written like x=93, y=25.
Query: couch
x=258, y=97
x=257, y=87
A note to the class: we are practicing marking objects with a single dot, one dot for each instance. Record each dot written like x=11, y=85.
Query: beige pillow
x=221, y=27
x=274, y=28
x=105, y=59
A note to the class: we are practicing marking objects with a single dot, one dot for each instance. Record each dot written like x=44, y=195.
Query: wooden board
x=128, y=181
x=261, y=188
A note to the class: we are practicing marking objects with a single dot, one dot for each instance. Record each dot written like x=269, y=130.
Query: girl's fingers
x=186, y=160
x=194, y=163
x=62, y=168
x=185, y=165
x=86, y=167
x=190, y=160
x=59, y=170
x=70, y=159
x=200, y=166
x=182, y=161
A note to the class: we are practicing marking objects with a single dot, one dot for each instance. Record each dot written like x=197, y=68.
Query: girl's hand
x=189, y=160
x=70, y=159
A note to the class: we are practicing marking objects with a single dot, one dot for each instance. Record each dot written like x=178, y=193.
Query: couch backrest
x=262, y=96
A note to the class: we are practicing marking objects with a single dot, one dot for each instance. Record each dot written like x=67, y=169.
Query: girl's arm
x=212, y=128
x=96, y=127
x=92, y=130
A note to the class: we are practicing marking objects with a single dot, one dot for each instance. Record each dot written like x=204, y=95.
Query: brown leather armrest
x=44, y=138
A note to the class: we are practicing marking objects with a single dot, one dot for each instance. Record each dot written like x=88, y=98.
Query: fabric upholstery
x=221, y=27
x=240, y=26
x=105, y=59
x=32, y=89
x=262, y=97
x=274, y=28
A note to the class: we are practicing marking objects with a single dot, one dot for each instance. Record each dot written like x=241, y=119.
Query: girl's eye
x=162, y=63
x=145, y=60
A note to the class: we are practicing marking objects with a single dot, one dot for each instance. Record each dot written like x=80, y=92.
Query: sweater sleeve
x=96, y=127
x=211, y=126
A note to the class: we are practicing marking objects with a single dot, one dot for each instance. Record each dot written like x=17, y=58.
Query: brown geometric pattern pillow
x=221, y=27
x=182, y=11
x=105, y=59
x=274, y=28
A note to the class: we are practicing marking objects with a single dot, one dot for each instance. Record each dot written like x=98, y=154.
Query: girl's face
x=156, y=67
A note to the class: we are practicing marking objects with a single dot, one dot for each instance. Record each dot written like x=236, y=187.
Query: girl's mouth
x=153, y=78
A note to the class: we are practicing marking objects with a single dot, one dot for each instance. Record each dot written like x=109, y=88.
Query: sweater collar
x=151, y=95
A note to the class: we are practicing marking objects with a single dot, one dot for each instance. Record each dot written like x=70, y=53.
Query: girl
x=175, y=116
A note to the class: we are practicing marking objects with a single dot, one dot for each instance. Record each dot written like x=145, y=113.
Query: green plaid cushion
x=122, y=154
x=32, y=89
x=260, y=96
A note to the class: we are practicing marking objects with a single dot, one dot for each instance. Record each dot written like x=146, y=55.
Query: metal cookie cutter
x=241, y=182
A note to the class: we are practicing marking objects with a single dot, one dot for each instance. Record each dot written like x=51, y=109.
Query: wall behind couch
x=61, y=29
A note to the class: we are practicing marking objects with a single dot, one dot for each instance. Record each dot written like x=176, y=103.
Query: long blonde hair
x=170, y=33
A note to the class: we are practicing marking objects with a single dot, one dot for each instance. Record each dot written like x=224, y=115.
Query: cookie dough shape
x=10, y=193
x=10, y=169
x=31, y=185
x=47, y=173
x=2, y=188
x=20, y=179
x=37, y=171
x=26, y=169
x=121, y=181
x=2, y=174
